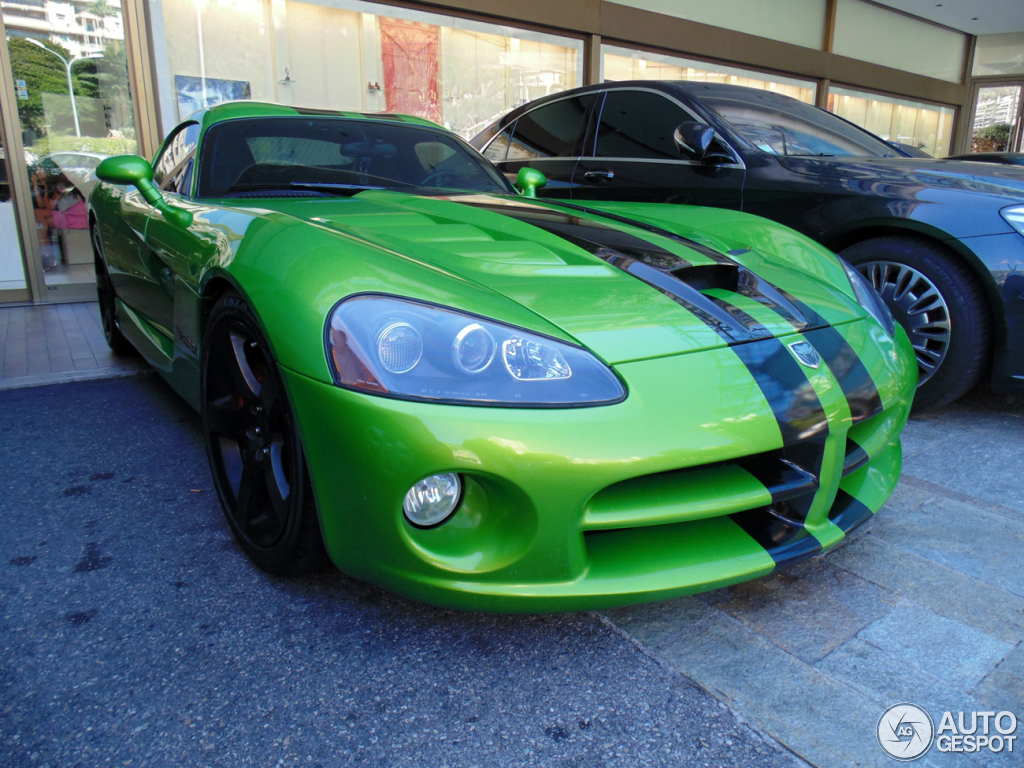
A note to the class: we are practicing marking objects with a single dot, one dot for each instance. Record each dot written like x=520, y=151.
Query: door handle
x=598, y=177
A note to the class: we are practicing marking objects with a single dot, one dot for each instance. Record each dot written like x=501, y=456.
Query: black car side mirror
x=693, y=138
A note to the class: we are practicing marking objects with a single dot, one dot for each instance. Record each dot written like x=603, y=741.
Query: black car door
x=548, y=138
x=630, y=155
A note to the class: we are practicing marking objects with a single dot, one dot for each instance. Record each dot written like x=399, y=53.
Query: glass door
x=996, y=124
x=74, y=109
x=13, y=285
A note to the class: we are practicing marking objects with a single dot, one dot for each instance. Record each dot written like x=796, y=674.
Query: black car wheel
x=253, y=445
x=108, y=307
x=941, y=306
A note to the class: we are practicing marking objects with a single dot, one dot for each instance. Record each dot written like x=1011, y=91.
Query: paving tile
x=888, y=679
x=956, y=465
x=85, y=364
x=1003, y=688
x=976, y=542
x=824, y=721
x=941, y=589
x=947, y=649
x=62, y=364
x=808, y=610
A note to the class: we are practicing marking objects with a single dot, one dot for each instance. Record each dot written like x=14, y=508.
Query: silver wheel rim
x=918, y=306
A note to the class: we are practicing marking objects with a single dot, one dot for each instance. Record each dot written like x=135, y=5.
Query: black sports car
x=942, y=240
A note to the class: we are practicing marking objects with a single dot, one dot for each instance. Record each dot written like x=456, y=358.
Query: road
x=134, y=632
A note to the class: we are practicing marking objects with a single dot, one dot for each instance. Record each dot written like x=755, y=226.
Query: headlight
x=869, y=298
x=411, y=350
x=1014, y=216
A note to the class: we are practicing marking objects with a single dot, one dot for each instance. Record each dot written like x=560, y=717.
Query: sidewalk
x=56, y=343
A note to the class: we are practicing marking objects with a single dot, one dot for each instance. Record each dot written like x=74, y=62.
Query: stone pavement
x=55, y=343
x=925, y=604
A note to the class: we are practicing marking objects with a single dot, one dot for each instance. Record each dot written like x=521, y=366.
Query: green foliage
x=999, y=132
x=104, y=78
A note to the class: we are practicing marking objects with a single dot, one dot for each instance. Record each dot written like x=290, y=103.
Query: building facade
x=84, y=79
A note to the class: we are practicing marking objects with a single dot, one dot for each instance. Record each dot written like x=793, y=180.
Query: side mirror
x=693, y=138
x=529, y=181
x=136, y=171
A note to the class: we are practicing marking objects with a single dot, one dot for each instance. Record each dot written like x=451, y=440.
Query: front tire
x=940, y=304
x=253, y=445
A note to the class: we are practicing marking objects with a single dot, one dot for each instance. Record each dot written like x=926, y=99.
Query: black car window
x=498, y=148
x=553, y=130
x=782, y=126
x=172, y=169
x=327, y=155
x=638, y=124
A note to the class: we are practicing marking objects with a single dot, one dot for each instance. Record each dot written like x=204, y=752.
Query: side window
x=639, y=124
x=553, y=130
x=498, y=148
x=172, y=170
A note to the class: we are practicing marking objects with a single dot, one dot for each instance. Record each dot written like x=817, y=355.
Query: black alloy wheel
x=941, y=305
x=108, y=307
x=253, y=445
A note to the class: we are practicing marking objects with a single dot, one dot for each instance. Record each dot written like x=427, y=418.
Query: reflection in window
x=353, y=55
x=553, y=130
x=918, y=125
x=638, y=124
x=626, y=64
x=67, y=134
x=781, y=126
x=995, y=119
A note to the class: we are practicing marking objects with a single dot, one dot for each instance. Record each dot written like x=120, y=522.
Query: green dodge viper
x=485, y=400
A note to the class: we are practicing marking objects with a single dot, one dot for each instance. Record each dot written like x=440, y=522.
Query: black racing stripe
x=853, y=377
x=858, y=387
x=704, y=250
x=754, y=328
x=847, y=512
x=763, y=292
x=787, y=389
x=787, y=544
x=856, y=457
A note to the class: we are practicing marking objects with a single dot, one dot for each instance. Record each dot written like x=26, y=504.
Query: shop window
x=351, y=55
x=921, y=126
x=619, y=64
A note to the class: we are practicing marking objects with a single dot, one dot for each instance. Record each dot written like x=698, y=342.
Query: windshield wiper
x=312, y=186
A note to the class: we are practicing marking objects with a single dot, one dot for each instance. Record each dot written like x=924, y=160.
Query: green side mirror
x=125, y=169
x=136, y=171
x=529, y=181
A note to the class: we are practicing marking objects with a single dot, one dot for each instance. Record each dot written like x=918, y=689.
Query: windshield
x=781, y=126
x=320, y=156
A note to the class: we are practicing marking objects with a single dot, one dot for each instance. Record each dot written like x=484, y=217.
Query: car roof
x=233, y=110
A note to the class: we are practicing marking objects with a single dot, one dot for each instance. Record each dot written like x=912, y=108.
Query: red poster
x=410, y=67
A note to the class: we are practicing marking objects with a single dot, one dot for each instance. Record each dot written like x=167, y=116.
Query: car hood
x=626, y=288
x=987, y=179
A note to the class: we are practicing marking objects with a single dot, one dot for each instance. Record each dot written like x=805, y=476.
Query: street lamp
x=67, y=69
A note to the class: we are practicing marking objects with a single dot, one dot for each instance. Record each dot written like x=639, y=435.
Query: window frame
x=190, y=157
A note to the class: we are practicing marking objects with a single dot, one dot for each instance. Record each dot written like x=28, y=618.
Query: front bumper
x=678, y=489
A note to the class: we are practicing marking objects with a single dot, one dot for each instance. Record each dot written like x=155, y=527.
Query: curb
x=67, y=377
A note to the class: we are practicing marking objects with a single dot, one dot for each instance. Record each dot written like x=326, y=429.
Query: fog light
x=432, y=499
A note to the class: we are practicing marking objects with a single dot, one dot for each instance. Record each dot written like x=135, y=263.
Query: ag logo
x=805, y=353
x=905, y=732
